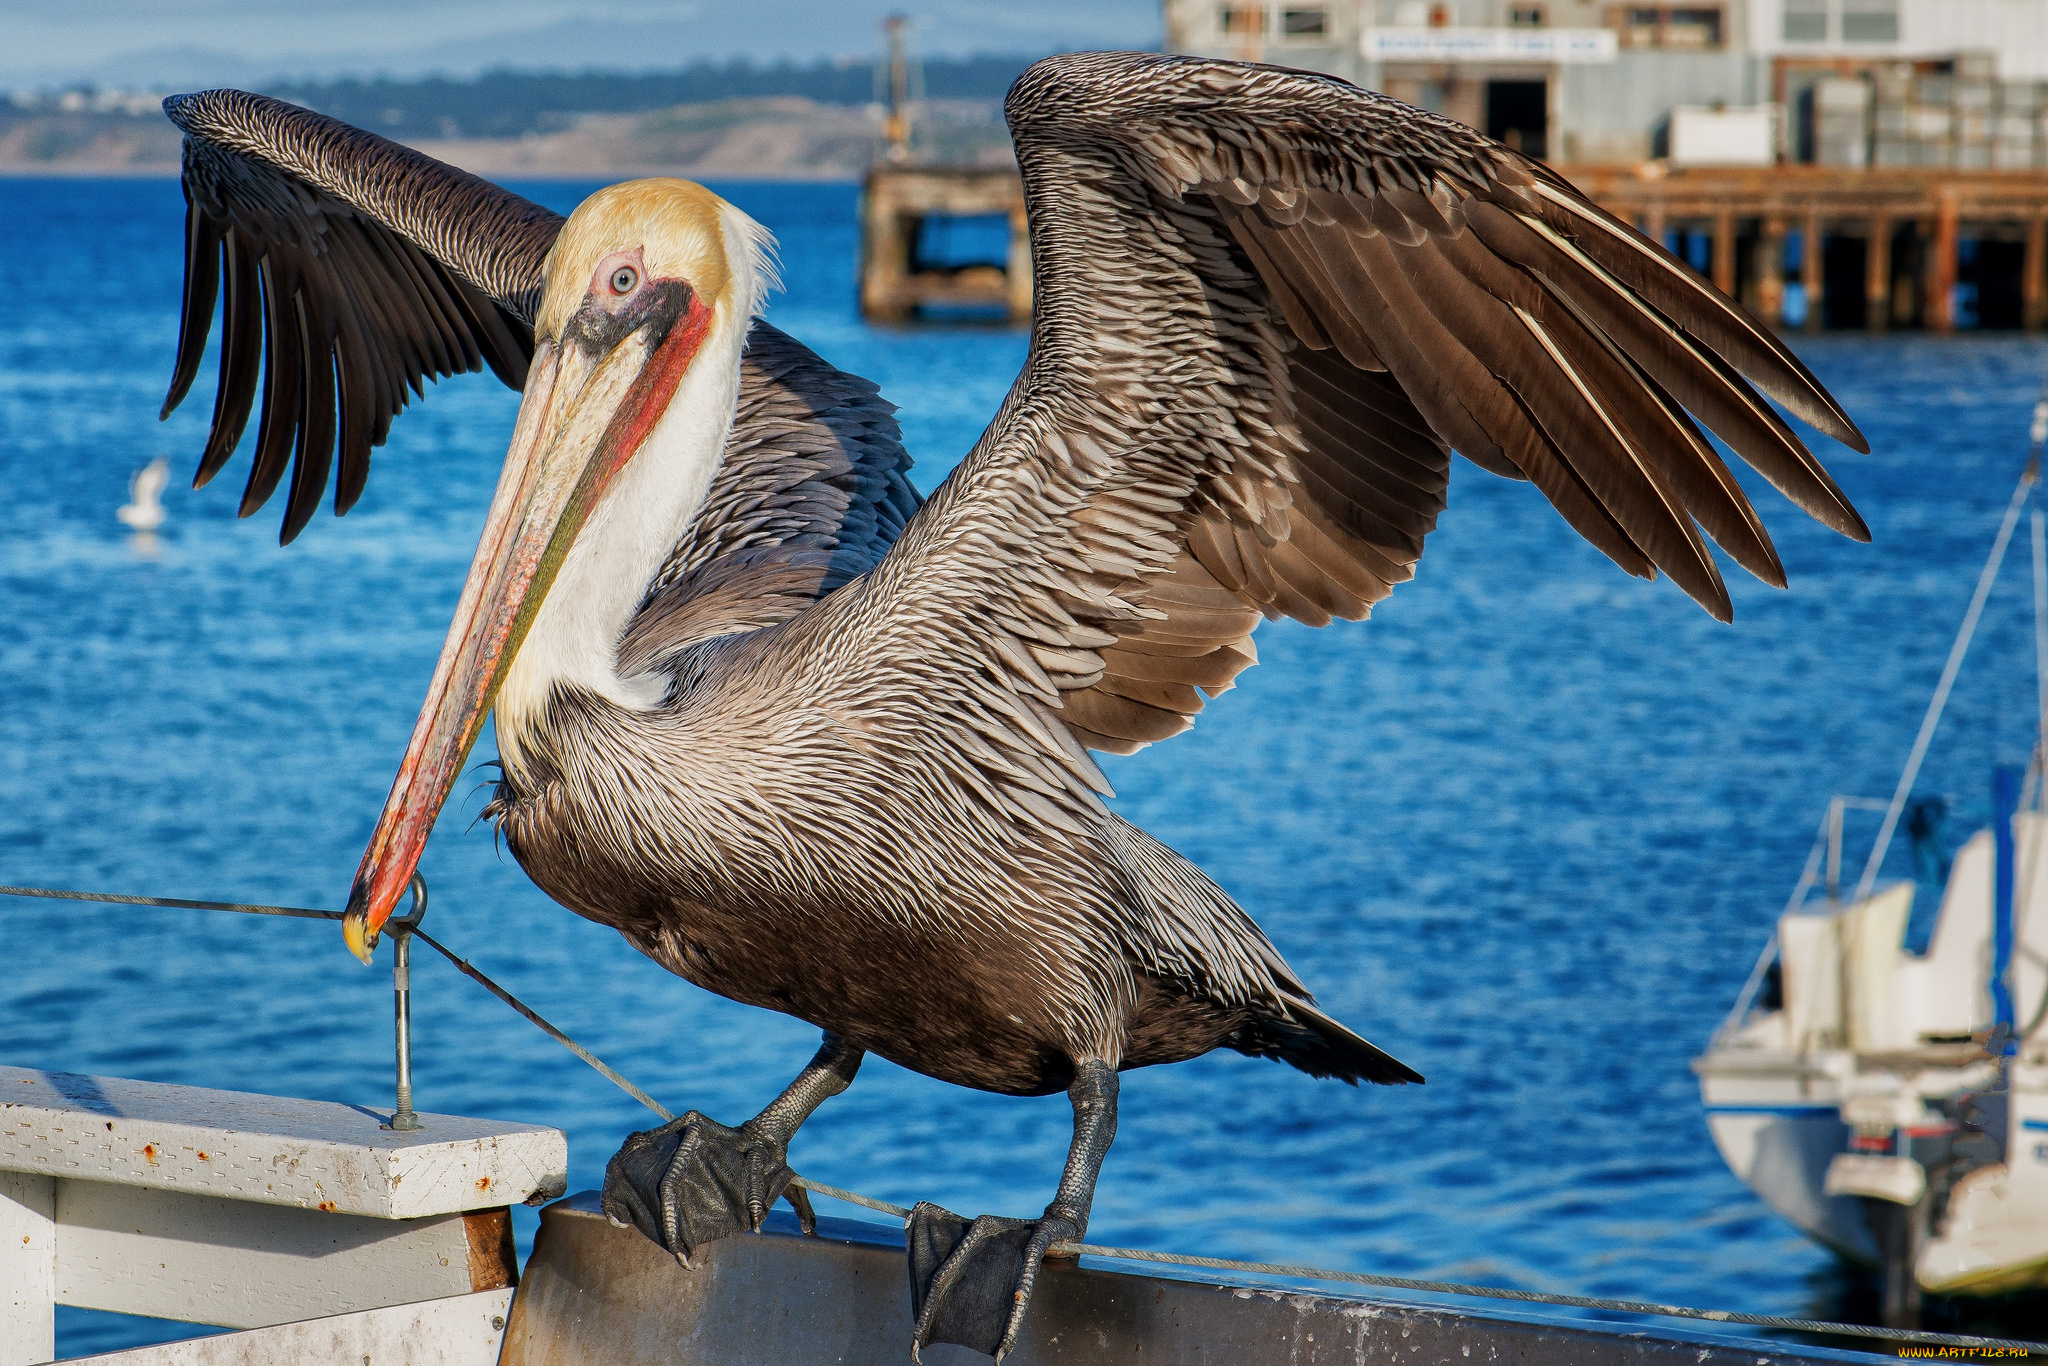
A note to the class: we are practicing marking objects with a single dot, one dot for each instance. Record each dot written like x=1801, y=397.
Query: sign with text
x=1489, y=44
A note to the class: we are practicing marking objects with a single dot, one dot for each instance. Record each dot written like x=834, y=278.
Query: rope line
x=244, y=908
x=462, y=965
x=2028, y=478
x=469, y=970
x=1124, y=1254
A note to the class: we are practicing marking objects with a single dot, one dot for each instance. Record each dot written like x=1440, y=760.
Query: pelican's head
x=650, y=289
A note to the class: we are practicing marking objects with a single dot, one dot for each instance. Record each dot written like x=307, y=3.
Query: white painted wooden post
x=248, y=1211
x=28, y=1269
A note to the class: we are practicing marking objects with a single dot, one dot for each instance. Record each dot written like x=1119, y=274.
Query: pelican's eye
x=625, y=280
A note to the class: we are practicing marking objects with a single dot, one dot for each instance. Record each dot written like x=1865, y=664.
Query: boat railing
x=1825, y=858
x=1823, y=861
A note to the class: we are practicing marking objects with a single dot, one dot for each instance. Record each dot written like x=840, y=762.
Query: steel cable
x=1125, y=1254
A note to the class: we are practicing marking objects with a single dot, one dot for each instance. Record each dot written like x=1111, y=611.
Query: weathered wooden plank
x=595, y=1295
x=463, y=1331
x=1724, y=251
x=205, y=1259
x=28, y=1269
x=270, y=1149
x=1792, y=191
x=1770, y=269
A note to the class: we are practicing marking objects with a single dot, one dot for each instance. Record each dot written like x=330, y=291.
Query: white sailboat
x=1893, y=1105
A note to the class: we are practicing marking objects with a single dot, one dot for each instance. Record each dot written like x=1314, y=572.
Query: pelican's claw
x=693, y=1181
x=970, y=1282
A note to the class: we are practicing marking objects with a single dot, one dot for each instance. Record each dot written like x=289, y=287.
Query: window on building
x=1695, y=27
x=1679, y=28
x=1870, y=21
x=1806, y=21
x=1637, y=25
x=1238, y=21
x=1425, y=13
x=1305, y=23
x=1525, y=16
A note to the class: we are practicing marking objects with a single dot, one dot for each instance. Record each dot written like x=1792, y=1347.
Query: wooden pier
x=900, y=280
x=1894, y=243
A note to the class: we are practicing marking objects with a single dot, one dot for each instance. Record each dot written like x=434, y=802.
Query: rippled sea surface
x=1526, y=828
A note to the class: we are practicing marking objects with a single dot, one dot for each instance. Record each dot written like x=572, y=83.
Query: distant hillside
x=86, y=142
x=510, y=104
x=749, y=139
x=729, y=120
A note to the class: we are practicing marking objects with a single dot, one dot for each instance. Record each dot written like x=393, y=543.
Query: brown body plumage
x=854, y=783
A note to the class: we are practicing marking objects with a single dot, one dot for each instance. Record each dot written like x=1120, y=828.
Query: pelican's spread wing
x=354, y=268
x=1268, y=305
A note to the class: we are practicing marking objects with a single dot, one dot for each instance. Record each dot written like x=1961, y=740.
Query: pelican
x=820, y=747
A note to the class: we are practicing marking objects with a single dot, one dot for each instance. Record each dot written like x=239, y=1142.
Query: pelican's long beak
x=587, y=409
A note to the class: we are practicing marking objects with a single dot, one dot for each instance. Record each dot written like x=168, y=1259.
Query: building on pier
x=1591, y=81
x=1907, y=139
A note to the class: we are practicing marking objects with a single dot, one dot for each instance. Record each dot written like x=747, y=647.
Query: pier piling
x=1941, y=248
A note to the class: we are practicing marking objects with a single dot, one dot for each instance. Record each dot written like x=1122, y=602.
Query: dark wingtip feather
x=1701, y=578
x=304, y=205
x=1718, y=321
x=204, y=241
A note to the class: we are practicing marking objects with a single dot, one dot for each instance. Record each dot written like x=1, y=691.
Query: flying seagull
x=821, y=747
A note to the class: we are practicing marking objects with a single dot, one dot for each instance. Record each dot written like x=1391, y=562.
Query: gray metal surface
x=595, y=1295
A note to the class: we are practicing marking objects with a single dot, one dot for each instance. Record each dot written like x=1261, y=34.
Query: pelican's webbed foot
x=693, y=1180
x=971, y=1280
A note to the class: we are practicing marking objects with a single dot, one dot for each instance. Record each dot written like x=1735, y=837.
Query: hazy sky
x=151, y=42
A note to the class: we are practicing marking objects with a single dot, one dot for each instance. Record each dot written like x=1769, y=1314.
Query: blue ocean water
x=1527, y=828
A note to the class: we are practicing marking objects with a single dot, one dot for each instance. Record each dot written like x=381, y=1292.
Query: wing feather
x=1269, y=305
x=356, y=270
x=1674, y=289
x=1696, y=377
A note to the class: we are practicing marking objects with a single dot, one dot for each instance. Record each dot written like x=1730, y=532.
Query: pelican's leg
x=694, y=1180
x=970, y=1282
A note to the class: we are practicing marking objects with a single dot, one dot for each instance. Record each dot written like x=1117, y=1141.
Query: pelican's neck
x=574, y=640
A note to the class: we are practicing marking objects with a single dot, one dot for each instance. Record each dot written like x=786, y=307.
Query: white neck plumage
x=573, y=642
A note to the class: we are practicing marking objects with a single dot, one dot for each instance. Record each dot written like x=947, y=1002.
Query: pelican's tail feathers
x=1305, y=1038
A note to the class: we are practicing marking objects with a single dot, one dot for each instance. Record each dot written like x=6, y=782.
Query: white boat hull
x=1782, y=1153
x=1875, y=1067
